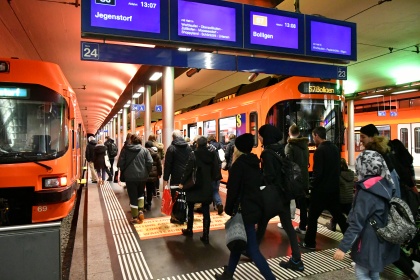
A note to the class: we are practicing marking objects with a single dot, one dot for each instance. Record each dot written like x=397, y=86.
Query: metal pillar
x=120, y=137
x=168, y=105
x=350, y=135
x=124, y=124
x=133, y=124
x=148, y=112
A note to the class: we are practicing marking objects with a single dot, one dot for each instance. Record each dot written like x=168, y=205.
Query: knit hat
x=270, y=134
x=369, y=130
x=245, y=142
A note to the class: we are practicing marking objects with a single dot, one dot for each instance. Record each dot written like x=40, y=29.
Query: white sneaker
x=416, y=268
x=279, y=225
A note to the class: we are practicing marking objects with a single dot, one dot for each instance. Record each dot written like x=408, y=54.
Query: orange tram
x=307, y=102
x=40, y=134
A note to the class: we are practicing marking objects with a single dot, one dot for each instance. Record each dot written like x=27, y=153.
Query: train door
x=409, y=134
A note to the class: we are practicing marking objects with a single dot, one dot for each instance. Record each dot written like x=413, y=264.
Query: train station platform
x=107, y=246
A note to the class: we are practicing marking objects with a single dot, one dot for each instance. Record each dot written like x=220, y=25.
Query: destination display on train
x=13, y=92
x=206, y=21
x=143, y=16
x=273, y=30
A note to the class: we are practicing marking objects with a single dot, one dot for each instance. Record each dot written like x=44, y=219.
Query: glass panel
x=416, y=143
x=192, y=131
x=404, y=137
x=384, y=130
x=253, y=126
x=227, y=126
x=33, y=129
x=209, y=127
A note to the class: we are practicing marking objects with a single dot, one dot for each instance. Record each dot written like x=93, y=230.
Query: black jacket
x=89, y=150
x=176, y=159
x=99, y=156
x=156, y=167
x=229, y=153
x=243, y=185
x=326, y=170
x=207, y=172
x=297, y=151
x=108, y=146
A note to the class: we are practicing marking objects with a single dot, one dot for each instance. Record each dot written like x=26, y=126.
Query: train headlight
x=54, y=182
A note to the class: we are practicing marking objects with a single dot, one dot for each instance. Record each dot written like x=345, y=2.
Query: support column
x=167, y=105
x=133, y=124
x=124, y=124
x=120, y=137
x=350, y=133
x=148, y=112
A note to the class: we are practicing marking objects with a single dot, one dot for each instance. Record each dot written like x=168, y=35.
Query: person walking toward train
x=217, y=201
x=112, y=150
x=243, y=190
x=229, y=151
x=154, y=174
x=89, y=158
x=176, y=159
x=136, y=163
x=325, y=186
x=208, y=171
x=370, y=253
x=270, y=137
x=99, y=161
x=298, y=152
x=346, y=192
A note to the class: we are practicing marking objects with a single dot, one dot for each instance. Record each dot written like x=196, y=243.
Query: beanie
x=369, y=130
x=270, y=134
x=245, y=142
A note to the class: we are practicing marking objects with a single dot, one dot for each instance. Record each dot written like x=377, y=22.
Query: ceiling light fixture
x=372, y=96
x=404, y=91
x=184, y=49
x=137, y=95
x=192, y=71
x=252, y=77
x=156, y=76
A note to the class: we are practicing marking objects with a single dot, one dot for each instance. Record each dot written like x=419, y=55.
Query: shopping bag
x=179, y=209
x=235, y=233
x=167, y=203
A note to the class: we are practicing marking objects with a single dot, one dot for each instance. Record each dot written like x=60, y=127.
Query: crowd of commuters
x=384, y=169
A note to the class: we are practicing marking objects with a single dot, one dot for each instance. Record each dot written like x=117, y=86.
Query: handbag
x=167, y=203
x=236, y=239
x=193, y=177
x=179, y=209
x=271, y=200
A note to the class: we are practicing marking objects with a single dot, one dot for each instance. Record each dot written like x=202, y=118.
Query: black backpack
x=292, y=184
x=113, y=150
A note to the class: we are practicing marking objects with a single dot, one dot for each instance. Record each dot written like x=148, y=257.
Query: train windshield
x=308, y=114
x=33, y=126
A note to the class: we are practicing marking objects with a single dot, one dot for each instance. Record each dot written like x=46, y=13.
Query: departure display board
x=330, y=38
x=127, y=18
x=205, y=22
x=273, y=30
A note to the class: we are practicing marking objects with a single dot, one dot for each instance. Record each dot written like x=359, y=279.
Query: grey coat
x=139, y=168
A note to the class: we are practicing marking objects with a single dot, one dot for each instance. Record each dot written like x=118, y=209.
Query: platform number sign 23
x=342, y=73
x=90, y=51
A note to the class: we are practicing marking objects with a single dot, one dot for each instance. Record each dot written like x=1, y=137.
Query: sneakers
x=301, y=231
x=293, y=265
x=279, y=225
x=220, y=209
x=306, y=246
x=135, y=221
x=141, y=216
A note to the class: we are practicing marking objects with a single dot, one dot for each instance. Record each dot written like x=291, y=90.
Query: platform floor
x=112, y=248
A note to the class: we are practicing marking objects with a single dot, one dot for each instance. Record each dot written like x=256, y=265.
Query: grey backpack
x=401, y=227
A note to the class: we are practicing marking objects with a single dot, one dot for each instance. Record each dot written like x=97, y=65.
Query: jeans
x=364, y=274
x=101, y=173
x=253, y=251
x=216, y=196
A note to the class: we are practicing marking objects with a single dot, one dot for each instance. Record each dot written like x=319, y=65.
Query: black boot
x=227, y=275
x=189, y=230
x=206, y=230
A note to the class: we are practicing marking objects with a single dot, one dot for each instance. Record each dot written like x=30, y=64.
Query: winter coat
x=161, y=150
x=326, y=170
x=297, y=151
x=243, y=186
x=108, y=144
x=176, y=159
x=139, y=168
x=156, y=167
x=207, y=172
x=229, y=153
x=99, y=156
x=89, y=150
x=346, y=186
x=366, y=248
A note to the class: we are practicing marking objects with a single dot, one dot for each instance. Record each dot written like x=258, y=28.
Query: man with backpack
x=112, y=150
x=325, y=192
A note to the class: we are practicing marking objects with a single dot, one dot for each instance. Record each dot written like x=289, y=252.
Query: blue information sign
x=158, y=108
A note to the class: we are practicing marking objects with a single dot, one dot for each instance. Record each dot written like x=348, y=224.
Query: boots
x=189, y=230
x=206, y=230
x=227, y=275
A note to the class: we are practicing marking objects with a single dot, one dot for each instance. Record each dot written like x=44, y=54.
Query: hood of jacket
x=110, y=140
x=93, y=142
x=133, y=148
x=179, y=142
x=347, y=175
x=153, y=151
x=301, y=142
x=204, y=155
x=100, y=148
x=250, y=159
x=377, y=185
x=277, y=147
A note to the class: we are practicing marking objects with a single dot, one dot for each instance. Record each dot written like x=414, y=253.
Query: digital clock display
x=126, y=15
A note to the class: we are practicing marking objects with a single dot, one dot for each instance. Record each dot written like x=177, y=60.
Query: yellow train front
x=39, y=149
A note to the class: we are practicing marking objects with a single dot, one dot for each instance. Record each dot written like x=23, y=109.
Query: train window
x=308, y=114
x=227, y=126
x=404, y=136
x=253, y=126
x=416, y=132
x=384, y=130
x=35, y=128
x=209, y=127
x=192, y=131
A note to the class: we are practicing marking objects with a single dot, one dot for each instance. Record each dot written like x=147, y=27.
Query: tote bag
x=235, y=233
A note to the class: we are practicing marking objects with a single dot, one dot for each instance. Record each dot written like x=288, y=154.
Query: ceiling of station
x=388, y=39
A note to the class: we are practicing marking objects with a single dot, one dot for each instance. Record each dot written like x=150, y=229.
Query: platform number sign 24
x=90, y=51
